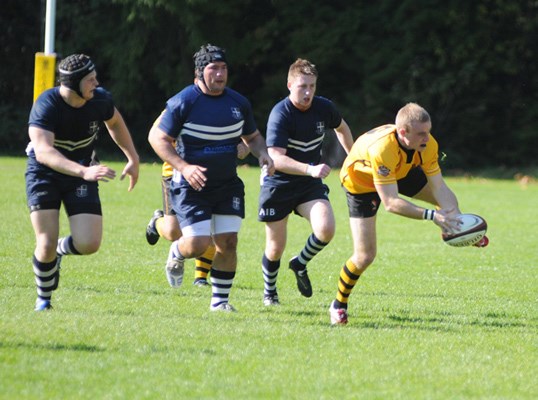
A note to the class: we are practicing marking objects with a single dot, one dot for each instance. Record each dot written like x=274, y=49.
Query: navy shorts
x=277, y=202
x=47, y=190
x=365, y=205
x=192, y=206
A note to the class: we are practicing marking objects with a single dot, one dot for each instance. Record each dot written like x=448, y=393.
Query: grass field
x=427, y=321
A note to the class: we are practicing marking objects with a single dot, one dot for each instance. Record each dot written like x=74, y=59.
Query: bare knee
x=363, y=260
x=191, y=247
x=88, y=246
x=170, y=233
x=325, y=234
x=228, y=244
x=46, y=249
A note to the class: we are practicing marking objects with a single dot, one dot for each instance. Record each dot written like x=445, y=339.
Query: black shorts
x=47, y=190
x=192, y=206
x=277, y=202
x=168, y=209
x=365, y=205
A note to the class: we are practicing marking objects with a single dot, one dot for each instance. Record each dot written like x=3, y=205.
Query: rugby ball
x=472, y=229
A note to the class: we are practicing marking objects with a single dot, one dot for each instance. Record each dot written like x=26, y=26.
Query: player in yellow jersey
x=164, y=223
x=384, y=163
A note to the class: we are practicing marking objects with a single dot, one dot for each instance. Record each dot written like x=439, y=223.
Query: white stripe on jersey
x=71, y=145
x=305, y=146
x=211, y=132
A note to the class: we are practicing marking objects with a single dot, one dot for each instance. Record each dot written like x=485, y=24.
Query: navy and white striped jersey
x=301, y=133
x=207, y=130
x=75, y=129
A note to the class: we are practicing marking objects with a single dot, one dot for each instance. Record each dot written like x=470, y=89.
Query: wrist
x=309, y=170
x=428, y=214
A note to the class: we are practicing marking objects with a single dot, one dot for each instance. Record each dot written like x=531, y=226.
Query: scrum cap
x=73, y=68
x=206, y=55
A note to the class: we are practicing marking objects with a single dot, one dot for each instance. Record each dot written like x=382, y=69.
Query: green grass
x=427, y=321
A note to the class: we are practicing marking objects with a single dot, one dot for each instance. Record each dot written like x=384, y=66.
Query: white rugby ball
x=473, y=228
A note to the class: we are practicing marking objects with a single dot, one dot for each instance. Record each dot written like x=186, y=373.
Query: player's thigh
x=87, y=232
x=363, y=232
x=275, y=238
x=46, y=226
x=321, y=217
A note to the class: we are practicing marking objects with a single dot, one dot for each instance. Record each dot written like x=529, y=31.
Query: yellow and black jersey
x=378, y=158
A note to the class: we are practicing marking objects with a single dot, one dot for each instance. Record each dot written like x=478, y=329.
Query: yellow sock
x=203, y=263
x=158, y=224
x=348, y=278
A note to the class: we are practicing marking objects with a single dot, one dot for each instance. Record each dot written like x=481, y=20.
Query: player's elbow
x=390, y=206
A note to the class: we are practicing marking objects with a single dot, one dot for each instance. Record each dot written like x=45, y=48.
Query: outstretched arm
x=120, y=134
x=257, y=146
x=445, y=218
x=344, y=136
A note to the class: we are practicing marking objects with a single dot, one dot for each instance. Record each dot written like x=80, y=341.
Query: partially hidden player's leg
x=195, y=240
x=46, y=227
x=168, y=227
x=363, y=231
x=275, y=243
x=202, y=266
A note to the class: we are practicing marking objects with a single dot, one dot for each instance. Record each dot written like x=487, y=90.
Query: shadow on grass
x=433, y=323
x=53, y=347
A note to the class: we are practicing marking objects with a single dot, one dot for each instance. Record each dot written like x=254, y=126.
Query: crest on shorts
x=383, y=171
x=82, y=191
x=236, y=113
x=236, y=203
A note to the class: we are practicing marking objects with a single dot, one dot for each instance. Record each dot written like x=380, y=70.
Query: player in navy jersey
x=63, y=126
x=207, y=120
x=295, y=131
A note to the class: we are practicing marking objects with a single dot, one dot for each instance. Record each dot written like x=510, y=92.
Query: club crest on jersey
x=320, y=127
x=82, y=191
x=93, y=128
x=383, y=171
x=236, y=113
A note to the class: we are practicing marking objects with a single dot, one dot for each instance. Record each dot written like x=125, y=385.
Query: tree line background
x=472, y=64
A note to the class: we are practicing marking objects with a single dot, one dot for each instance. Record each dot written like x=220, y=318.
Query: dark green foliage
x=471, y=64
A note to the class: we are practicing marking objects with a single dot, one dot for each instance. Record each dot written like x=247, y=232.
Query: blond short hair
x=301, y=67
x=409, y=114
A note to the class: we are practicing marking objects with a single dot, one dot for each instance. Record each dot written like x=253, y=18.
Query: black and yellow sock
x=349, y=275
x=158, y=225
x=203, y=263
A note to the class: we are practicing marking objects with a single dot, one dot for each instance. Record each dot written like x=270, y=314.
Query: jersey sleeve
x=384, y=161
x=430, y=158
x=335, y=118
x=107, y=103
x=277, y=130
x=42, y=114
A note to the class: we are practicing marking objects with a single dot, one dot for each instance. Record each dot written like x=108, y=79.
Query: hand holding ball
x=472, y=229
